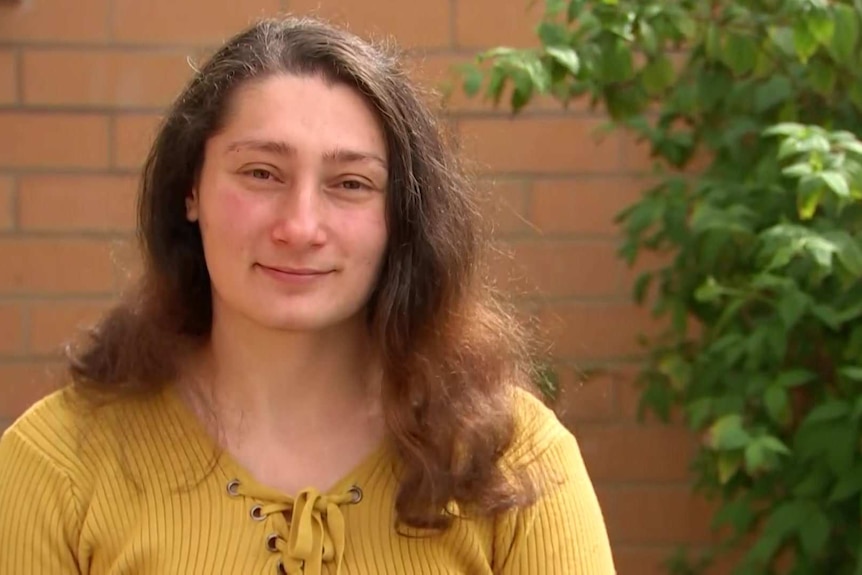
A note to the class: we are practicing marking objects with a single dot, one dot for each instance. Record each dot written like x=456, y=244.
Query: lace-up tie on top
x=313, y=523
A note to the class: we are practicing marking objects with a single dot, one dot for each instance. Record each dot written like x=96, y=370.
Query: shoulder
x=76, y=437
x=49, y=430
x=562, y=530
x=542, y=444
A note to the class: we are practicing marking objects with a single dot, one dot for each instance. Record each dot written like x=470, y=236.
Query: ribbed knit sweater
x=138, y=487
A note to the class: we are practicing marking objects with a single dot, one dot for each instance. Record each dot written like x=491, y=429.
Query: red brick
x=650, y=560
x=560, y=269
x=54, y=266
x=488, y=23
x=103, y=78
x=641, y=560
x=7, y=192
x=127, y=262
x=582, y=205
x=11, y=329
x=133, y=136
x=584, y=397
x=24, y=383
x=656, y=514
x=97, y=203
x=35, y=140
x=505, y=203
x=636, y=453
x=54, y=21
x=8, y=76
x=186, y=22
x=546, y=144
x=53, y=324
x=596, y=330
x=411, y=24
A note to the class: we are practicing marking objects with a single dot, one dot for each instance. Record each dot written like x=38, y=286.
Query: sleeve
x=38, y=511
x=563, y=532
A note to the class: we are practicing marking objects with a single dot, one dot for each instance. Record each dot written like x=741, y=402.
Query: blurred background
x=82, y=86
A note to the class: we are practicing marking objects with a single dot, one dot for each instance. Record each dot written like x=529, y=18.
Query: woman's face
x=291, y=204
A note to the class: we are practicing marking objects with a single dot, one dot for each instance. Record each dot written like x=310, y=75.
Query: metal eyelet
x=271, y=542
x=356, y=493
x=256, y=513
x=233, y=487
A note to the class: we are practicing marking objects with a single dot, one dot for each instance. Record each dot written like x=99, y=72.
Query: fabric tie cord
x=315, y=532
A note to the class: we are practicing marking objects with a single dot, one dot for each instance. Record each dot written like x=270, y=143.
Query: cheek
x=229, y=213
x=370, y=232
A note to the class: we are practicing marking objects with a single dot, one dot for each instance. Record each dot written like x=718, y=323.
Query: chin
x=298, y=322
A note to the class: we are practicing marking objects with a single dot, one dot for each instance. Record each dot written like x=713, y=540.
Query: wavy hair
x=452, y=353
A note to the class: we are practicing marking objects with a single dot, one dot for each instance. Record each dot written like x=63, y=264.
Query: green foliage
x=763, y=350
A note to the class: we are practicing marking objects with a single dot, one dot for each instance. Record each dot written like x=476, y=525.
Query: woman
x=312, y=375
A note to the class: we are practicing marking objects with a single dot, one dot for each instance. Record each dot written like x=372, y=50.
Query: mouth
x=291, y=271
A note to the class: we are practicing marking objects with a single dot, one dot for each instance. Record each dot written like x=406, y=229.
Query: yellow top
x=136, y=488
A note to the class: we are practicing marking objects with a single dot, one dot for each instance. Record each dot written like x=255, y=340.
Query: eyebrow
x=338, y=155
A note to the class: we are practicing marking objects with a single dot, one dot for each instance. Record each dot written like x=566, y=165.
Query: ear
x=192, y=205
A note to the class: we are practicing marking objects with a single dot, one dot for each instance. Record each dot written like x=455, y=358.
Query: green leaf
x=554, y=7
x=804, y=41
x=786, y=518
x=755, y=457
x=774, y=445
x=848, y=251
x=829, y=410
x=791, y=307
x=777, y=404
x=843, y=45
x=553, y=33
x=727, y=433
x=854, y=147
x=740, y=53
x=472, y=79
x=565, y=56
x=641, y=287
x=728, y=463
x=835, y=182
x=771, y=93
x=738, y=513
x=848, y=485
x=798, y=170
x=657, y=75
x=616, y=62
x=497, y=82
x=795, y=378
x=814, y=532
x=821, y=25
x=823, y=76
x=698, y=412
x=850, y=372
x=808, y=198
x=712, y=42
x=785, y=129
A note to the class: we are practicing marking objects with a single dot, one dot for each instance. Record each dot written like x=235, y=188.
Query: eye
x=260, y=174
x=354, y=185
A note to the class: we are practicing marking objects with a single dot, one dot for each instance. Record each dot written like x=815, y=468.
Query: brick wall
x=81, y=86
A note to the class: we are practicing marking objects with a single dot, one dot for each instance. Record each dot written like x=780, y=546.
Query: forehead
x=309, y=112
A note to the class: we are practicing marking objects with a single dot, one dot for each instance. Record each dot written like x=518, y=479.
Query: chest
x=205, y=531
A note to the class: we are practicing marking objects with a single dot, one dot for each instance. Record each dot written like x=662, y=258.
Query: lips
x=296, y=271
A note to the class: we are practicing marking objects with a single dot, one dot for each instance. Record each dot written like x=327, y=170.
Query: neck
x=275, y=382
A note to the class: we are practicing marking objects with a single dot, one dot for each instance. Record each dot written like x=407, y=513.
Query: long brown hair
x=452, y=353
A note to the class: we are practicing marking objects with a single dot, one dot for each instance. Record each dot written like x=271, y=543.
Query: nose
x=299, y=214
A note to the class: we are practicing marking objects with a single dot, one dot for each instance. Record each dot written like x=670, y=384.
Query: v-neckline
x=230, y=468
